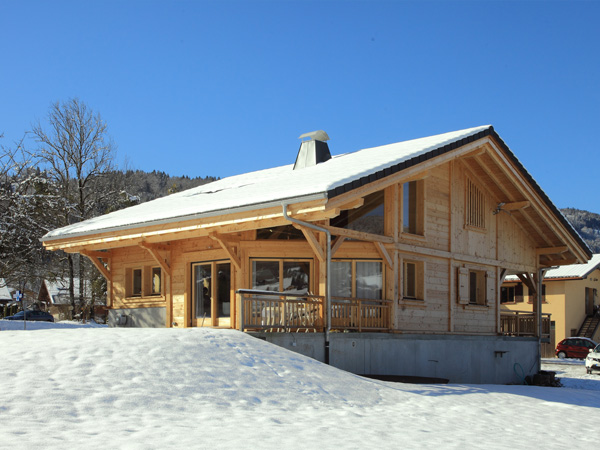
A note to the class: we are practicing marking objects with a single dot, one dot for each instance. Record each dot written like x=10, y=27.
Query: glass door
x=211, y=302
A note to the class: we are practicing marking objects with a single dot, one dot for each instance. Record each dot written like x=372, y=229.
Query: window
x=281, y=275
x=511, y=294
x=412, y=207
x=136, y=290
x=357, y=279
x=156, y=287
x=144, y=282
x=476, y=287
x=369, y=218
x=475, y=206
x=413, y=280
x=212, y=292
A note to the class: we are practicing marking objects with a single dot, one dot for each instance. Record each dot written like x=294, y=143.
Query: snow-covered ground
x=93, y=387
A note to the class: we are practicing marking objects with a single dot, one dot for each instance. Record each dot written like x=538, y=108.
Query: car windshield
x=597, y=349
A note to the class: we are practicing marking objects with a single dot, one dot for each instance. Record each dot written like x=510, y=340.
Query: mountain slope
x=587, y=224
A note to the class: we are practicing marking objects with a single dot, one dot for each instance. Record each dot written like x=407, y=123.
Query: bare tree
x=76, y=151
x=26, y=205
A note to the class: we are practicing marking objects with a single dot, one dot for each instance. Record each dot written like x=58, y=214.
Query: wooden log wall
x=445, y=246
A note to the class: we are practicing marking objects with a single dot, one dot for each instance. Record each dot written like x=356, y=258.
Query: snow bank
x=206, y=388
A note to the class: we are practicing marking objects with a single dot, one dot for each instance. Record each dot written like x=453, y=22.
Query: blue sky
x=219, y=88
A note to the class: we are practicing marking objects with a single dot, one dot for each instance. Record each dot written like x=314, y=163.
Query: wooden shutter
x=463, y=286
x=490, y=289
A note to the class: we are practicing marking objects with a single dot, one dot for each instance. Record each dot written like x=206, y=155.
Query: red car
x=574, y=347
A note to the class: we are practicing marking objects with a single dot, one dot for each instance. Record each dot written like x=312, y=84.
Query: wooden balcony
x=523, y=323
x=285, y=312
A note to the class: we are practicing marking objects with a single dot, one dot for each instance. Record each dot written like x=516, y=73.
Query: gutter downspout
x=328, y=271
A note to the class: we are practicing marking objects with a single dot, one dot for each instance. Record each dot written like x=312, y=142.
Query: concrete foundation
x=460, y=359
x=138, y=317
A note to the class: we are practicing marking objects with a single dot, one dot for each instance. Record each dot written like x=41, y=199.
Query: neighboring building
x=55, y=295
x=5, y=294
x=570, y=295
x=406, y=245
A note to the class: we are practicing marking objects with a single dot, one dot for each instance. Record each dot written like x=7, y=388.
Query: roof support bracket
x=384, y=254
x=337, y=243
x=312, y=241
x=228, y=247
x=157, y=257
x=96, y=259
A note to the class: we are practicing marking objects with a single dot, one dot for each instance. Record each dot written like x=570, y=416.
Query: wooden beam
x=337, y=243
x=99, y=265
x=358, y=235
x=384, y=254
x=540, y=205
x=101, y=255
x=312, y=241
x=528, y=281
x=459, y=257
x=552, y=250
x=513, y=206
x=226, y=245
x=157, y=257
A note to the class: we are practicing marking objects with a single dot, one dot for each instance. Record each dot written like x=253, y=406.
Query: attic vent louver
x=312, y=151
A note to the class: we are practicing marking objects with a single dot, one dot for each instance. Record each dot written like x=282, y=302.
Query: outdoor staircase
x=589, y=326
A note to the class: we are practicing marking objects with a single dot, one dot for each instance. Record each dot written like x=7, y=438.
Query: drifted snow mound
x=205, y=388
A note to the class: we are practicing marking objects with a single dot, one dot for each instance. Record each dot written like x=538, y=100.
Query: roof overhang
x=484, y=154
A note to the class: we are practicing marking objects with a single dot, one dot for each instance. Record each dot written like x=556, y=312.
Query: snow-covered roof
x=59, y=290
x=266, y=188
x=575, y=271
x=272, y=187
x=4, y=291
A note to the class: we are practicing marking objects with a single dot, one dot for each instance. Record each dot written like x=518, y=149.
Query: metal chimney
x=312, y=151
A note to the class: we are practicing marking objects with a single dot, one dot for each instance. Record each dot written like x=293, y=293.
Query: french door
x=212, y=295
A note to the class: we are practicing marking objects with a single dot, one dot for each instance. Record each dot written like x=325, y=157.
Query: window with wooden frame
x=477, y=290
x=475, y=286
x=155, y=281
x=136, y=283
x=282, y=275
x=413, y=280
x=357, y=279
x=144, y=281
x=413, y=207
x=369, y=218
x=511, y=294
x=475, y=211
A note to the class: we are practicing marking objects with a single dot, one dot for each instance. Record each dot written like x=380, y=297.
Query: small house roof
x=4, y=291
x=59, y=290
x=573, y=271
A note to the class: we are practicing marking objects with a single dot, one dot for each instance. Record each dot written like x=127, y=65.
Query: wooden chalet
x=377, y=252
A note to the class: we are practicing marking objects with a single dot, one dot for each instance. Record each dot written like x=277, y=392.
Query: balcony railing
x=282, y=311
x=523, y=323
